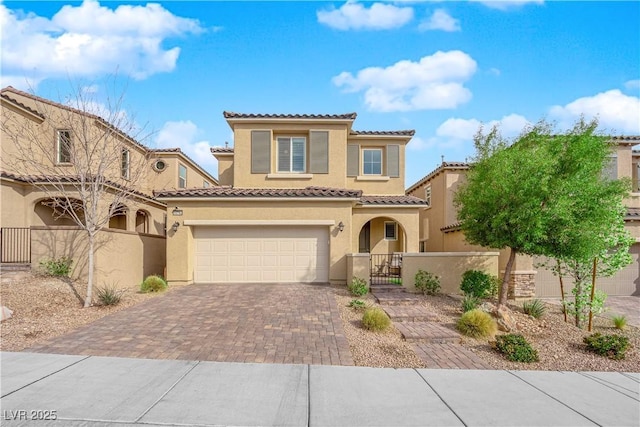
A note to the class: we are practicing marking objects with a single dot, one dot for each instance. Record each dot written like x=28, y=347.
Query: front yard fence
x=15, y=245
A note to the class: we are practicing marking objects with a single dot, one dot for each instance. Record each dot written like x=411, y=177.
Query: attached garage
x=624, y=283
x=261, y=254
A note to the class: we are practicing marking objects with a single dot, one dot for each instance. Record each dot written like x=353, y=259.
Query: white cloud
x=632, y=84
x=508, y=4
x=494, y=72
x=616, y=112
x=465, y=129
x=184, y=135
x=418, y=144
x=90, y=39
x=355, y=16
x=440, y=20
x=434, y=82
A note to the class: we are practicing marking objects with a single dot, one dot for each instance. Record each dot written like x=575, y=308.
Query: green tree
x=542, y=195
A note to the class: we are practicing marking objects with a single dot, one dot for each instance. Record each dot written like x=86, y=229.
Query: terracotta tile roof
x=451, y=227
x=392, y=201
x=32, y=179
x=224, y=192
x=408, y=132
x=232, y=115
x=633, y=213
x=436, y=171
x=626, y=138
x=215, y=150
x=20, y=104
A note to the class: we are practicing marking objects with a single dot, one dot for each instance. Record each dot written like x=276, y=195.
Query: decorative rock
x=505, y=320
x=487, y=307
x=5, y=313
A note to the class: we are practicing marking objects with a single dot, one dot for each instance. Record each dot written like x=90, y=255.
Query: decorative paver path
x=259, y=323
x=437, y=345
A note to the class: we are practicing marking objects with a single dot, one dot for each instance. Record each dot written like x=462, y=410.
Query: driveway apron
x=262, y=323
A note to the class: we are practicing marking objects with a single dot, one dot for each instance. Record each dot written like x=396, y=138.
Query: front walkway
x=225, y=323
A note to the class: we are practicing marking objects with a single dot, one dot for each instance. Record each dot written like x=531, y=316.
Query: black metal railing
x=386, y=269
x=15, y=245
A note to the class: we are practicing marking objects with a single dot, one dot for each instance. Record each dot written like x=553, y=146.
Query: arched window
x=56, y=211
x=118, y=219
x=142, y=222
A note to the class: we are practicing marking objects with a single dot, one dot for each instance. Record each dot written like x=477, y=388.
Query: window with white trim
x=63, y=146
x=292, y=154
x=390, y=230
x=427, y=195
x=182, y=176
x=372, y=161
x=124, y=164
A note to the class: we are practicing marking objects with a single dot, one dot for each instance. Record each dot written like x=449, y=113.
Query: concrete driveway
x=262, y=323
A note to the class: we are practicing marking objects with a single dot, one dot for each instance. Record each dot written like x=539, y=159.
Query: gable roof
x=444, y=166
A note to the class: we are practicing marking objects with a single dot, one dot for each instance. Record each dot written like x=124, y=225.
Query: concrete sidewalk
x=97, y=391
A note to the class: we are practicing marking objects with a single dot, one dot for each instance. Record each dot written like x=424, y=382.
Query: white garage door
x=267, y=254
x=625, y=282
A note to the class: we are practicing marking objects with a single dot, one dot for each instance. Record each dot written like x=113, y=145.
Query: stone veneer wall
x=522, y=284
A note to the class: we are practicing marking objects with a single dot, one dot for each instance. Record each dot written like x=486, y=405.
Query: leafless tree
x=85, y=157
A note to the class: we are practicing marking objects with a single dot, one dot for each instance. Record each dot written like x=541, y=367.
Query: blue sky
x=441, y=68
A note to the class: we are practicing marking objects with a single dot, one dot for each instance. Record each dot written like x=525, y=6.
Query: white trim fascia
x=221, y=154
x=372, y=178
x=328, y=223
x=258, y=199
x=290, y=175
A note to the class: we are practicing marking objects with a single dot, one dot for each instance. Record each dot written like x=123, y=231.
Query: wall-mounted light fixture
x=176, y=211
x=175, y=226
x=341, y=226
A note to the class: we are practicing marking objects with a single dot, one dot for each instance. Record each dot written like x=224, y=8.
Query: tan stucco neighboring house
x=31, y=230
x=298, y=194
x=440, y=230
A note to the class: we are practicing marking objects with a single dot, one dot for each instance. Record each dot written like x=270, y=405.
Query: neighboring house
x=134, y=244
x=299, y=194
x=440, y=230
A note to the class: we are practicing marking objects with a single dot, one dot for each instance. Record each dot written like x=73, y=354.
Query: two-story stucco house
x=440, y=231
x=298, y=194
x=41, y=144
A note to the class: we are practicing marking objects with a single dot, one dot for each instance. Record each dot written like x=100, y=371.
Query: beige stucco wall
x=407, y=219
x=372, y=185
x=180, y=244
x=168, y=178
x=122, y=258
x=449, y=266
x=358, y=266
x=12, y=205
x=225, y=169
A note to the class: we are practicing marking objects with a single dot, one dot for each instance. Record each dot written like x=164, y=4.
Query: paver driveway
x=227, y=323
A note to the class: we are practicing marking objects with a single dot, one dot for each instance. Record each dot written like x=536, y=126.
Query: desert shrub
x=516, y=348
x=358, y=287
x=153, y=284
x=620, y=322
x=109, y=295
x=612, y=346
x=60, y=267
x=534, y=308
x=427, y=283
x=470, y=302
x=477, y=324
x=479, y=284
x=357, y=304
x=375, y=319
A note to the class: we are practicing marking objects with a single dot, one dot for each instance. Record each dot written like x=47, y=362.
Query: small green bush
x=612, y=346
x=357, y=304
x=109, y=295
x=516, y=348
x=358, y=287
x=470, y=302
x=153, y=284
x=60, y=267
x=479, y=284
x=620, y=322
x=477, y=324
x=534, y=308
x=427, y=283
x=375, y=319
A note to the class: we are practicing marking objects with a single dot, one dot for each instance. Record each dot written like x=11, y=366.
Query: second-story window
x=292, y=155
x=182, y=176
x=63, y=146
x=427, y=194
x=124, y=166
x=372, y=161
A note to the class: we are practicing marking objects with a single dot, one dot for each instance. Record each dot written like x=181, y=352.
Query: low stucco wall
x=122, y=258
x=449, y=266
x=358, y=265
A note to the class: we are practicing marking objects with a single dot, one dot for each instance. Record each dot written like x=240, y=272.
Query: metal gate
x=386, y=269
x=15, y=245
